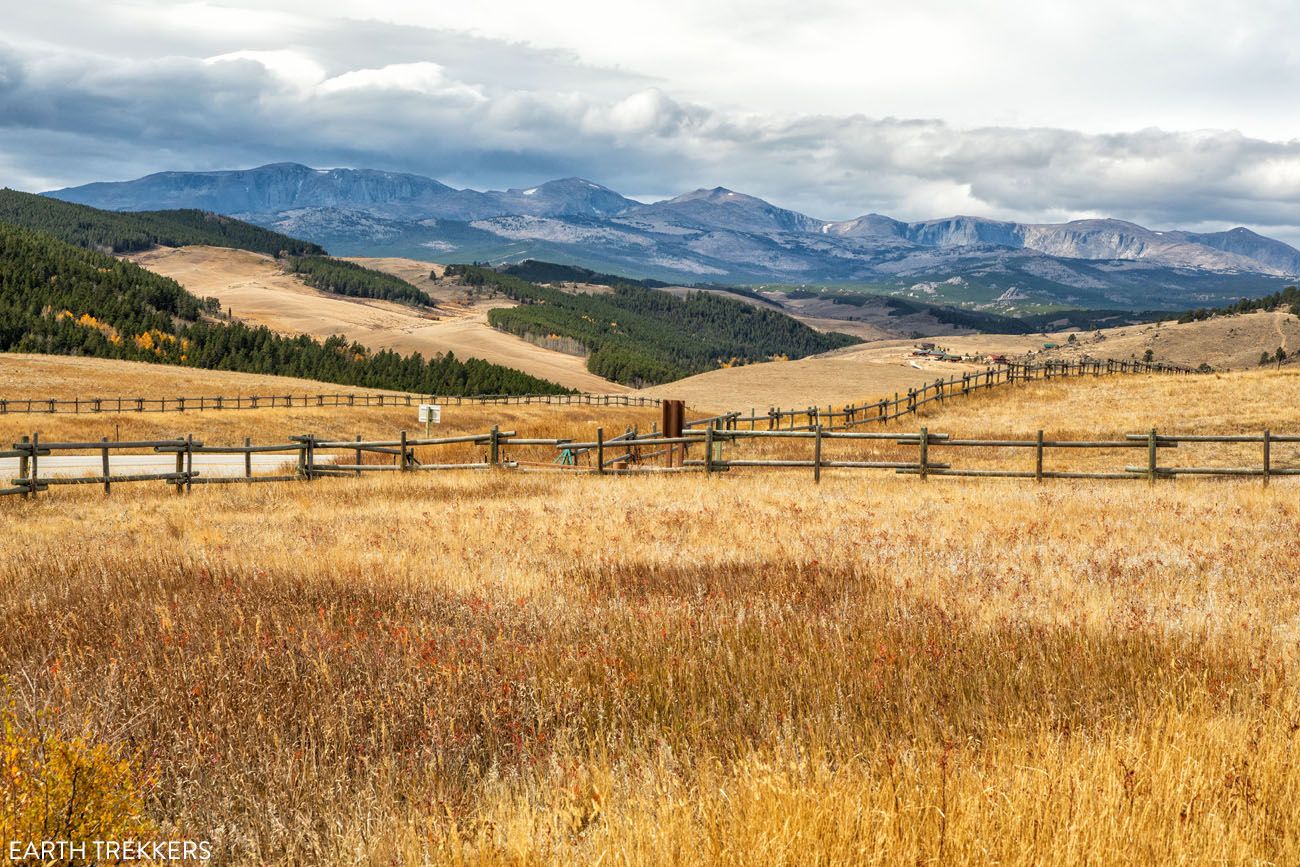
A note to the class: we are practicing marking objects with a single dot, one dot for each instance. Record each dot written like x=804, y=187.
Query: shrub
x=55, y=787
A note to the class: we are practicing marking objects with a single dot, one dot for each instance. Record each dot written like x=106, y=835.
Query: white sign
x=431, y=412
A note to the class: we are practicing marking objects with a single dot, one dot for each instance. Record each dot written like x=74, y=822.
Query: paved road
x=204, y=465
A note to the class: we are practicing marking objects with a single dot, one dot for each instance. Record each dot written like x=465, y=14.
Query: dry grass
x=541, y=670
x=1223, y=342
x=229, y=427
x=64, y=377
x=1237, y=402
x=1090, y=408
x=509, y=669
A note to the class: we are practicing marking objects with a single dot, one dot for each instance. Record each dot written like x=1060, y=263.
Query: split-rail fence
x=308, y=457
x=940, y=390
x=921, y=453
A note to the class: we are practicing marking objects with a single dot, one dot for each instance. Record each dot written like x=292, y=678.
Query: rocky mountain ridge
x=722, y=235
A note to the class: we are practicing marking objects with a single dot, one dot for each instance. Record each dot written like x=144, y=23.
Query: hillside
x=856, y=374
x=62, y=299
x=884, y=366
x=29, y=376
x=637, y=335
x=128, y=232
x=257, y=290
x=1225, y=342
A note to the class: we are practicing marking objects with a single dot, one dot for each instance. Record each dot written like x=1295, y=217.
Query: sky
x=1179, y=114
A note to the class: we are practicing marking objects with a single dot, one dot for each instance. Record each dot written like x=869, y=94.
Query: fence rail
x=203, y=403
x=887, y=410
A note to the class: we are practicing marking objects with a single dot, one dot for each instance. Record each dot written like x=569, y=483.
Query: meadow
x=499, y=668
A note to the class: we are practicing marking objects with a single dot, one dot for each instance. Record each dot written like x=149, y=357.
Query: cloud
x=492, y=113
x=424, y=78
x=292, y=67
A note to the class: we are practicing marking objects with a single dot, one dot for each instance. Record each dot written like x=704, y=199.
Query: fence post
x=302, y=456
x=24, y=466
x=189, y=462
x=708, y=450
x=1151, y=457
x=180, y=471
x=105, y=463
x=248, y=457
x=925, y=454
x=36, y=476
x=358, y=471
x=1267, y=456
x=405, y=464
x=817, y=456
x=495, y=445
x=1038, y=462
x=600, y=450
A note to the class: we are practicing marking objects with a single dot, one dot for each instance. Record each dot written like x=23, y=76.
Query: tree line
x=348, y=278
x=1288, y=297
x=63, y=299
x=641, y=336
x=132, y=231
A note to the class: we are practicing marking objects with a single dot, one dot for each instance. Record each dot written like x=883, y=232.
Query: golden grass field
x=64, y=377
x=498, y=668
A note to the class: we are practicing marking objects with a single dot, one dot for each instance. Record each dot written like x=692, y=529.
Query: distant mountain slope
x=284, y=187
x=719, y=235
x=125, y=233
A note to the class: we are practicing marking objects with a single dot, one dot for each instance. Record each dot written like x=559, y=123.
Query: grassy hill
x=125, y=232
x=638, y=336
x=63, y=299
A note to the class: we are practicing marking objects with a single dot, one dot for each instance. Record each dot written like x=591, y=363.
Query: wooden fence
x=958, y=385
x=848, y=417
x=308, y=457
x=287, y=401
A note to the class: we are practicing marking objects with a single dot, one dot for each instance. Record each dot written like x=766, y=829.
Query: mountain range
x=719, y=235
